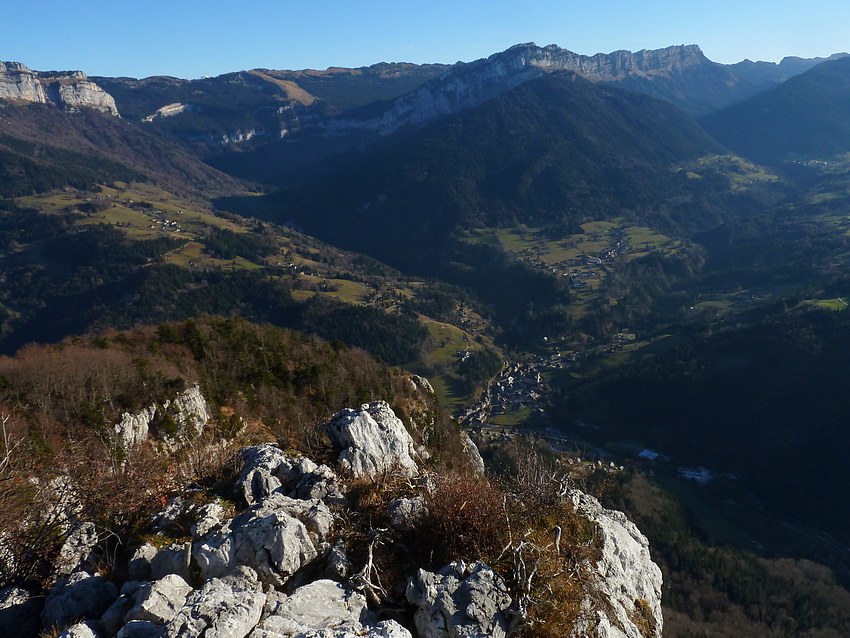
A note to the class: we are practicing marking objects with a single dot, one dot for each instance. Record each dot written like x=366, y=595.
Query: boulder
x=625, y=576
x=338, y=565
x=80, y=630
x=19, y=612
x=78, y=596
x=320, y=605
x=207, y=518
x=264, y=537
x=373, y=441
x=160, y=600
x=174, y=559
x=139, y=566
x=407, y=513
x=228, y=607
x=113, y=618
x=468, y=601
x=473, y=456
x=266, y=469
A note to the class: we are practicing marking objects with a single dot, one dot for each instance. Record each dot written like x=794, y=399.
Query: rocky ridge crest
x=70, y=91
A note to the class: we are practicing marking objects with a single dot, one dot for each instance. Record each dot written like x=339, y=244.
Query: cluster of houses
x=518, y=386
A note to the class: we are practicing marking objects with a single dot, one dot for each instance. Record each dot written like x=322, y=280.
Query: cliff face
x=667, y=73
x=70, y=91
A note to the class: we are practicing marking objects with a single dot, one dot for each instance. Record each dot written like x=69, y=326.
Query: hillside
x=44, y=148
x=805, y=118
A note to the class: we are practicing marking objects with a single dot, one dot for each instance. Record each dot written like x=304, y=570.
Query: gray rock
x=264, y=537
x=407, y=513
x=320, y=605
x=70, y=91
x=460, y=601
x=139, y=566
x=159, y=601
x=266, y=469
x=373, y=441
x=228, y=607
x=80, y=630
x=141, y=629
x=624, y=575
x=113, y=618
x=208, y=517
x=174, y=559
x=19, y=613
x=79, y=596
x=421, y=384
x=473, y=456
x=188, y=410
x=315, y=515
x=338, y=566
x=78, y=550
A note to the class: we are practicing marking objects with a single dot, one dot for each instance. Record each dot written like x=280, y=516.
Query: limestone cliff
x=678, y=73
x=71, y=91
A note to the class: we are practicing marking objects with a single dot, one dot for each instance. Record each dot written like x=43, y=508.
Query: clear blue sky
x=190, y=38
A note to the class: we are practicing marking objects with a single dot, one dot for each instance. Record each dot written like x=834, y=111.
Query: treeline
x=721, y=591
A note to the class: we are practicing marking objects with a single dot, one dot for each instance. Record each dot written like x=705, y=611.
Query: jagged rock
x=373, y=440
x=19, y=612
x=228, y=607
x=141, y=629
x=208, y=517
x=473, y=456
x=139, y=566
x=174, y=559
x=460, y=601
x=421, y=384
x=79, y=596
x=77, y=550
x=133, y=429
x=315, y=515
x=80, y=630
x=188, y=410
x=625, y=576
x=266, y=468
x=114, y=617
x=407, y=513
x=160, y=600
x=320, y=605
x=338, y=567
x=264, y=537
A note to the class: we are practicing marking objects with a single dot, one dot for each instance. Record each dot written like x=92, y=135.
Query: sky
x=191, y=38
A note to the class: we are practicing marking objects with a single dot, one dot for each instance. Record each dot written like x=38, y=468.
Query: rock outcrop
x=373, y=441
x=469, y=601
x=624, y=577
x=71, y=91
x=187, y=411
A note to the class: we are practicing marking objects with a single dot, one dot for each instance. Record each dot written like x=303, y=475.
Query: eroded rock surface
x=373, y=441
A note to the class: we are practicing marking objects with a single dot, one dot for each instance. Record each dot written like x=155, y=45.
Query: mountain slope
x=33, y=137
x=806, y=117
x=556, y=149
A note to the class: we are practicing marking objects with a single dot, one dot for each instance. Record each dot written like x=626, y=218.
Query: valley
x=613, y=263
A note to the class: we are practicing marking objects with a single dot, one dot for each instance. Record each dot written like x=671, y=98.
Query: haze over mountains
x=649, y=238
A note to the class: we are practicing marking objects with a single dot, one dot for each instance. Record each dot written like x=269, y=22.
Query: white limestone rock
x=228, y=607
x=266, y=469
x=473, y=456
x=265, y=537
x=79, y=596
x=159, y=601
x=80, y=630
x=188, y=410
x=323, y=604
x=70, y=91
x=625, y=576
x=139, y=566
x=373, y=440
x=77, y=550
x=140, y=629
x=174, y=559
x=468, y=601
